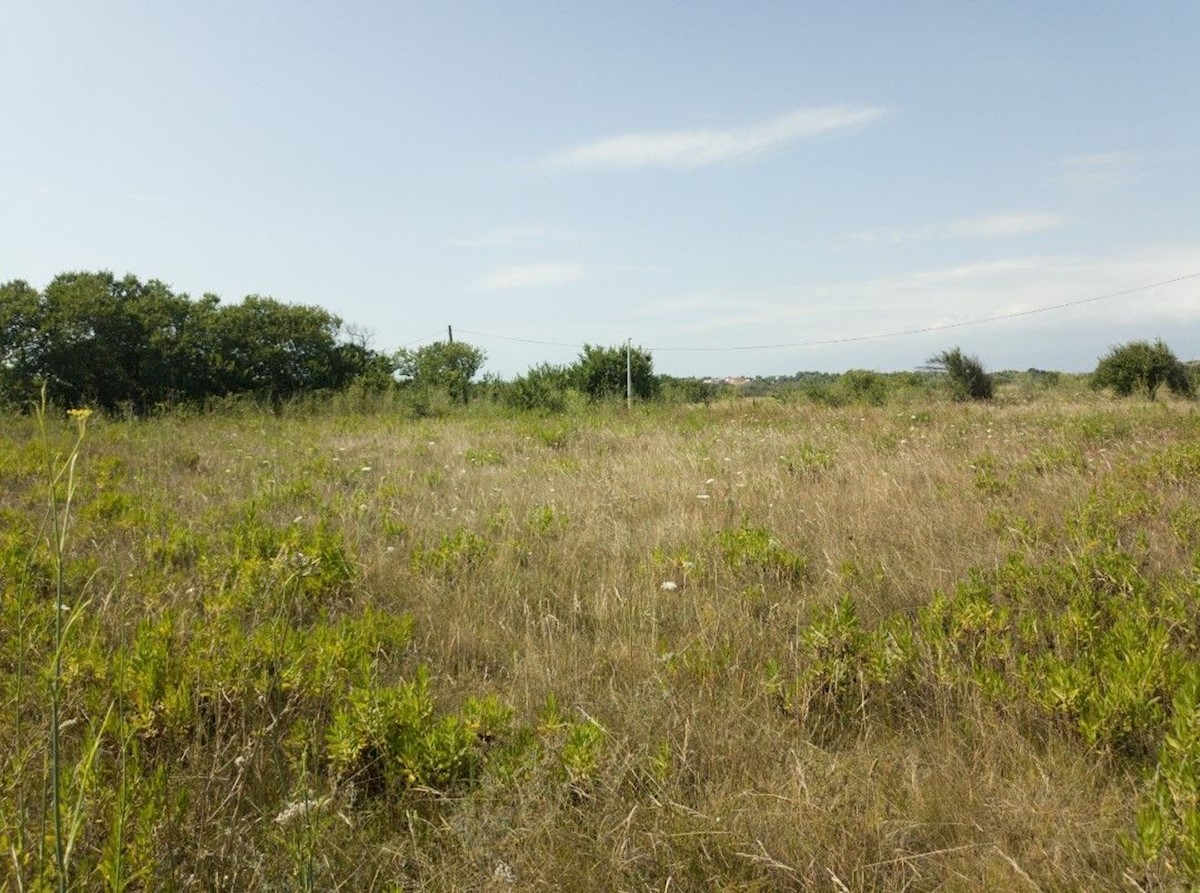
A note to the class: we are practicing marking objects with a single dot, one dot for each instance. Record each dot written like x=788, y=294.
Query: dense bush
x=862, y=386
x=600, y=373
x=1142, y=366
x=447, y=366
x=544, y=387
x=967, y=379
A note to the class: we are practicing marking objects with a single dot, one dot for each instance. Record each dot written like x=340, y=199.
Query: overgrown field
x=749, y=646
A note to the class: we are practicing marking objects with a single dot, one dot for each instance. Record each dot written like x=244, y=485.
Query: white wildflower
x=298, y=809
x=503, y=874
x=669, y=586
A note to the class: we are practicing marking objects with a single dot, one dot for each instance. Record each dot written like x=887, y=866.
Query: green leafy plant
x=454, y=553
x=754, y=549
x=808, y=460
x=389, y=739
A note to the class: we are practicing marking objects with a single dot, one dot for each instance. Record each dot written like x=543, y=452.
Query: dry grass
x=703, y=781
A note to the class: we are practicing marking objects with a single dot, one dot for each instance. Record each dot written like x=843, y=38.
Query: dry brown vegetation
x=717, y=630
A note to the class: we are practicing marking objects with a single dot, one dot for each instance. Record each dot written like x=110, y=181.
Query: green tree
x=95, y=339
x=276, y=350
x=1142, y=366
x=443, y=365
x=600, y=373
x=967, y=379
x=108, y=341
x=21, y=339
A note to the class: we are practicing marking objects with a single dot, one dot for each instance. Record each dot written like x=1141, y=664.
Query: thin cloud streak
x=991, y=226
x=947, y=295
x=1099, y=170
x=688, y=149
x=530, y=235
x=530, y=276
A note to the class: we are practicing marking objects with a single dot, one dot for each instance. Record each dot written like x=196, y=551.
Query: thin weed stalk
x=60, y=472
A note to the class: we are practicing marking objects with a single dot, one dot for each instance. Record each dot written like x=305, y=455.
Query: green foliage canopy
x=95, y=339
x=600, y=372
x=1142, y=366
x=542, y=387
x=443, y=365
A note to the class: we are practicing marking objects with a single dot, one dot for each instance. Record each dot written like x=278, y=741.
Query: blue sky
x=694, y=175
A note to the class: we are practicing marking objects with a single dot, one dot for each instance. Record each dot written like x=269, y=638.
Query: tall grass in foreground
x=27, y=851
x=750, y=646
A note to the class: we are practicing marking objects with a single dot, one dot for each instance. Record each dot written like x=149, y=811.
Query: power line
x=952, y=325
x=847, y=339
x=419, y=340
x=521, y=340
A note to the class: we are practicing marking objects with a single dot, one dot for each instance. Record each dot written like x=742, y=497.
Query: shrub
x=601, y=373
x=544, y=387
x=391, y=739
x=864, y=387
x=688, y=390
x=1142, y=366
x=447, y=366
x=967, y=379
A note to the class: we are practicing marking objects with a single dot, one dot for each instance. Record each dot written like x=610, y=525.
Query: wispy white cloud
x=991, y=226
x=946, y=295
x=530, y=276
x=146, y=198
x=698, y=148
x=639, y=268
x=525, y=235
x=1099, y=170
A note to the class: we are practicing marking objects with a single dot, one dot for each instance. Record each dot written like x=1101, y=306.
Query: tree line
x=90, y=338
x=121, y=344
x=94, y=339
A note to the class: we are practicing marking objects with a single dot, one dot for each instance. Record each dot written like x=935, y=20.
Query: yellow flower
x=80, y=416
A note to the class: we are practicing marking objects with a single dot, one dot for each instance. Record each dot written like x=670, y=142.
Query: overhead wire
x=847, y=339
x=419, y=340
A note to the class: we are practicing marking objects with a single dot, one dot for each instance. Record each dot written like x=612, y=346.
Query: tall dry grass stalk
x=60, y=472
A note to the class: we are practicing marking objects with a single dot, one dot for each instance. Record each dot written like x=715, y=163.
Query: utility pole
x=450, y=333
